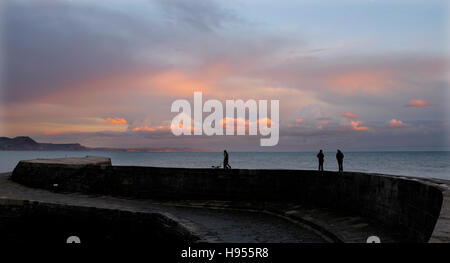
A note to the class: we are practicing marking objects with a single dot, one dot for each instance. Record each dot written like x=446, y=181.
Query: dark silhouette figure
x=340, y=160
x=225, y=160
x=320, y=156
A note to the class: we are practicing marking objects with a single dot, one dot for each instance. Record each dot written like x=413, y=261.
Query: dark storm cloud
x=51, y=44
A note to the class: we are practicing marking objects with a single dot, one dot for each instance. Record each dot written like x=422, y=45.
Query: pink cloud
x=299, y=120
x=418, y=103
x=394, y=123
x=52, y=132
x=356, y=126
x=242, y=123
x=350, y=115
x=369, y=81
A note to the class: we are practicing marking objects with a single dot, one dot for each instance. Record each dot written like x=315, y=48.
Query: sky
x=354, y=75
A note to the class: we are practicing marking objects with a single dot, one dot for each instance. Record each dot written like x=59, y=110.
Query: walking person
x=320, y=156
x=225, y=160
x=340, y=160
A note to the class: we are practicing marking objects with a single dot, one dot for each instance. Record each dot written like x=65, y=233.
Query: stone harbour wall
x=410, y=206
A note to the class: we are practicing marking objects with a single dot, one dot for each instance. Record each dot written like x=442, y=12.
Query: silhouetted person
x=340, y=160
x=320, y=156
x=225, y=160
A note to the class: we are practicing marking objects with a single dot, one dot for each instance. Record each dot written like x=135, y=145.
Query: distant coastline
x=25, y=143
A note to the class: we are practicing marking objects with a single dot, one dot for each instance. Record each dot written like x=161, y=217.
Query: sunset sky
x=354, y=75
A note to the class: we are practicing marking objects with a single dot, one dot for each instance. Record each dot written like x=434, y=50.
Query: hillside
x=25, y=143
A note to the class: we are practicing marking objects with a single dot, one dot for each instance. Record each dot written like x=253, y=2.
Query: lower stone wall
x=42, y=223
x=409, y=206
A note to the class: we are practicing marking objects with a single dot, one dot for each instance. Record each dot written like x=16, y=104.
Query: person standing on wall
x=321, y=157
x=225, y=160
x=340, y=160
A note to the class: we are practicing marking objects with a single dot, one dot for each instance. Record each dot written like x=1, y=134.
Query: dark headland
x=25, y=143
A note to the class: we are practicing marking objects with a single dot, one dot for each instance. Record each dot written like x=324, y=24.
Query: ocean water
x=419, y=164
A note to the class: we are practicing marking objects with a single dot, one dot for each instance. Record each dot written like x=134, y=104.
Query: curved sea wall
x=409, y=206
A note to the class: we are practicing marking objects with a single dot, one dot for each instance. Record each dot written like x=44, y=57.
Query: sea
x=434, y=164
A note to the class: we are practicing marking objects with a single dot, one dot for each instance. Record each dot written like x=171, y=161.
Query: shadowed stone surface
x=210, y=225
x=34, y=222
x=75, y=161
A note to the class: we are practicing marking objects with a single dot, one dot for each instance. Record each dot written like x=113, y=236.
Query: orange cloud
x=181, y=126
x=394, y=123
x=350, y=115
x=356, y=127
x=418, y=103
x=117, y=121
x=144, y=128
x=299, y=120
x=265, y=121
